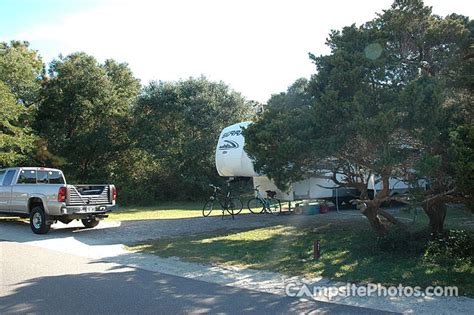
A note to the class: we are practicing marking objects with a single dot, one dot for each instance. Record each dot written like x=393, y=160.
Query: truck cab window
x=55, y=177
x=2, y=174
x=27, y=177
x=42, y=177
x=8, y=178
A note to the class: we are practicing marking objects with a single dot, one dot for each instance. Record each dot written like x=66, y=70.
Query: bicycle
x=261, y=204
x=232, y=205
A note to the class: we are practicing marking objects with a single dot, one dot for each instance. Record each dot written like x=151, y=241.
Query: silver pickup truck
x=42, y=195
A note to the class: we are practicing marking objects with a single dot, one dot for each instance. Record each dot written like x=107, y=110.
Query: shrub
x=400, y=242
x=452, y=245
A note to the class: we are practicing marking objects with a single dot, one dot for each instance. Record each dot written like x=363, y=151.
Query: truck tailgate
x=88, y=195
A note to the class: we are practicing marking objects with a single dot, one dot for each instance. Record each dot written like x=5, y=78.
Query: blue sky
x=20, y=15
x=258, y=47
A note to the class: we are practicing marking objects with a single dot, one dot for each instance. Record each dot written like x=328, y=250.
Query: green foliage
x=16, y=139
x=177, y=125
x=439, y=112
x=402, y=243
x=384, y=102
x=278, y=142
x=296, y=96
x=279, y=132
x=21, y=69
x=462, y=151
x=456, y=246
x=351, y=119
x=85, y=114
x=133, y=173
x=394, y=96
x=393, y=99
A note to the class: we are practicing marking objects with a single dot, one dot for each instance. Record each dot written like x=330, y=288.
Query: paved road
x=39, y=280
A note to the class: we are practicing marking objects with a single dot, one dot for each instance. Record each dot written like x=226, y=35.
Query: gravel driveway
x=131, y=232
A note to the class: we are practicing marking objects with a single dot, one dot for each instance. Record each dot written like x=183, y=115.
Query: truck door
x=6, y=190
x=21, y=190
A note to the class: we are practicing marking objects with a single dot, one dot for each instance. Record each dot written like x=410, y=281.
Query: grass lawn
x=12, y=219
x=349, y=252
x=167, y=210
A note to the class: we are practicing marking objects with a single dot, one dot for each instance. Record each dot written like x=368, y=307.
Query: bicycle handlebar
x=215, y=187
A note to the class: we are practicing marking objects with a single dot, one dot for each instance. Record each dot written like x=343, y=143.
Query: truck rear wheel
x=38, y=222
x=90, y=223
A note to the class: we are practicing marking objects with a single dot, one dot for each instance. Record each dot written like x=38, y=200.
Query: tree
x=350, y=129
x=178, y=125
x=84, y=114
x=278, y=138
x=377, y=98
x=436, y=102
x=296, y=95
x=16, y=139
x=20, y=71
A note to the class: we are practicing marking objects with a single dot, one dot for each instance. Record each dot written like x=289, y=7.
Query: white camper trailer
x=231, y=158
x=233, y=161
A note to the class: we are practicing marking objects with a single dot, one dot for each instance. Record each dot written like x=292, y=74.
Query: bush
x=400, y=242
x=452, y=245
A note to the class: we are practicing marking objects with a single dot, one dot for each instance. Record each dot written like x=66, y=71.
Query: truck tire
x=90, y=223
x=38, y=222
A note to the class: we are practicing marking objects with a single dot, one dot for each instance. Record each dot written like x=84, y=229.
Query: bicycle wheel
x=208, y=207
x=255, y=205
x=235, y=206
x=274, y=206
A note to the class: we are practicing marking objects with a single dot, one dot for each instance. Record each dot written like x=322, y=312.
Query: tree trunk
x=371, y=212
x=436, y=213
x=392, y=219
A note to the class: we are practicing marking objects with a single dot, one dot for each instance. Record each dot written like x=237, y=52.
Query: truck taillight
x=114, y=193
x=62, y=194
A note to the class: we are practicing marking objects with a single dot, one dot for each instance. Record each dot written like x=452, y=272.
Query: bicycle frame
x=264, y=200
x=224, y=205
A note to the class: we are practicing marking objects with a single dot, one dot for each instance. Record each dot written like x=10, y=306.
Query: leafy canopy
x=85, y=113
x=380, y=103
x=178, y=125
x=20, y=71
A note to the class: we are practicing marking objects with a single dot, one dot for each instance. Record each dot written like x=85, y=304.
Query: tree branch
x=438, y=196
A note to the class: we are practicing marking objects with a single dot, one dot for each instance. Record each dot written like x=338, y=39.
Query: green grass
x=167, y=210
x=12, y=219
x=457, y=218
x=349, y=252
